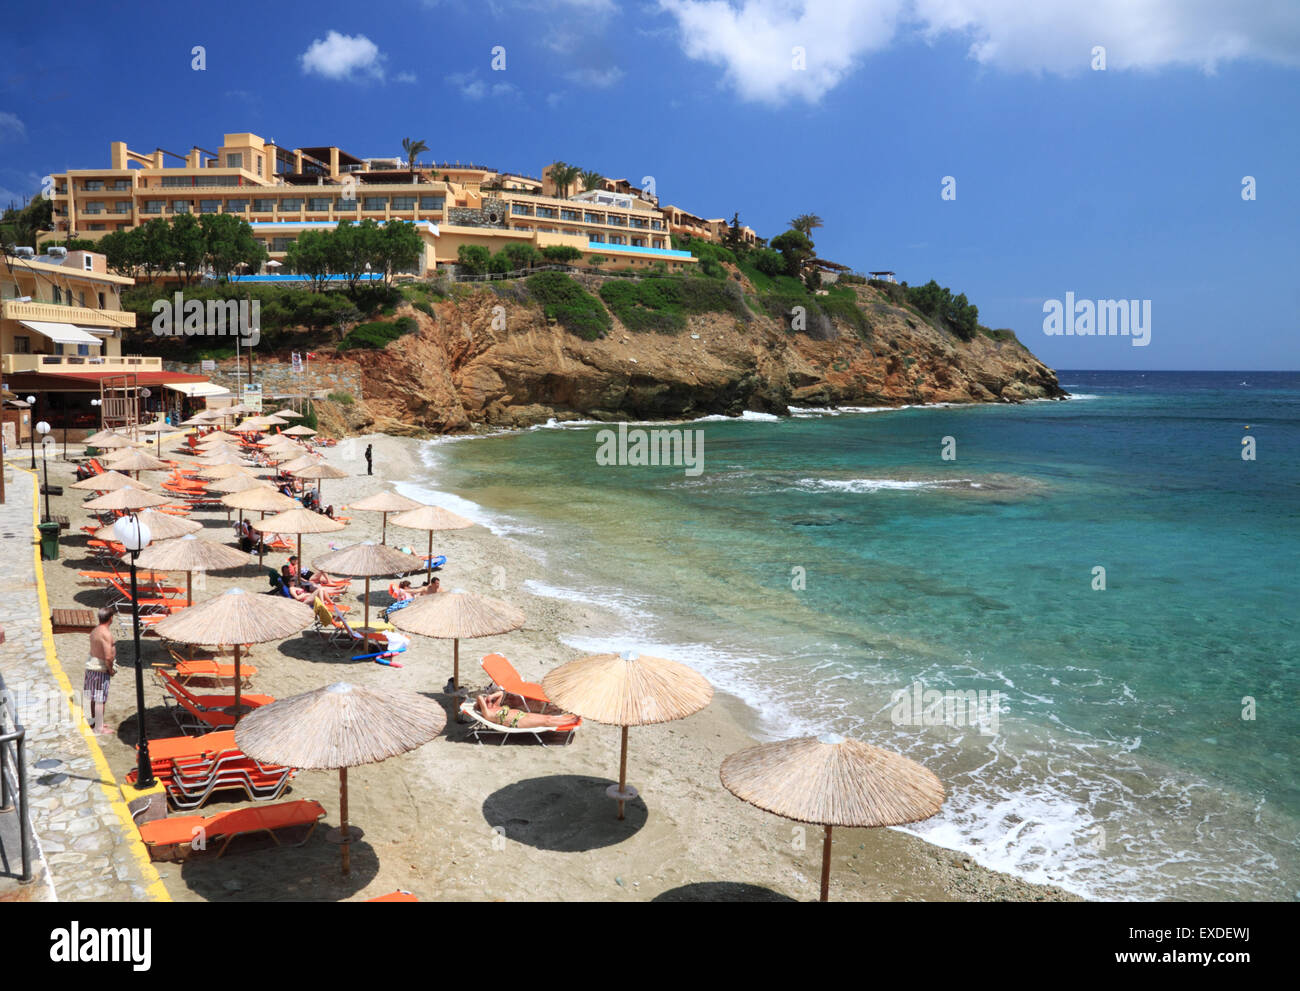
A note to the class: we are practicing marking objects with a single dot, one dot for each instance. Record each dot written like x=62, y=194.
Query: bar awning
x=61, y=333
x=104, y=331
x=193, y=389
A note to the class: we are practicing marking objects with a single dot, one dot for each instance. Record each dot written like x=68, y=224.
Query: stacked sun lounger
x=192, y=769
x=181, y=834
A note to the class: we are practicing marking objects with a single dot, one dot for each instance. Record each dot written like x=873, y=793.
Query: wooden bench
x=73, y=620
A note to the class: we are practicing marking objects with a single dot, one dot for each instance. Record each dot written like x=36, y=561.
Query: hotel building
x=283, y=192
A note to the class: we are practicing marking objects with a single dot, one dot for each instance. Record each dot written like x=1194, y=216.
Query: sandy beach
x=458, y=820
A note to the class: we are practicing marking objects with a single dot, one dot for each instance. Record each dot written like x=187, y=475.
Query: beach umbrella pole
x=343, y=815
x=367, y=622
x=428, y=575
x=622, y=772
x=383, y=531
x=455, y=664
x=826, y=865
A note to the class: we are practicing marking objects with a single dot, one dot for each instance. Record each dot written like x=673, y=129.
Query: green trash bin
x=49, y=541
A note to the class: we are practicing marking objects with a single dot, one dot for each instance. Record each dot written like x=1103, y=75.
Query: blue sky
x=1124, y=182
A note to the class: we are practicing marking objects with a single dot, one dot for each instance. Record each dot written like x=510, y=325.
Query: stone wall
x=277, y=377
x=461, y=216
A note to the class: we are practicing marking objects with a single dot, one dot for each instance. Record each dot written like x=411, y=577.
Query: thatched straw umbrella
x=224, y=471
x=457, y=616
x=302, y=461
x=319, y=471
x=225, y=456
x=189, y=553
x=367, y=560
x=158, y=428
x=830, y=781
x=385, y=502
x=106, y=440
x=291, y=414
x=262, y=501
x=239, y=483
x=298, y=521
x=108, y=481
x=272, y=420
x=162, y=526
x=625, y=690
x=340, y=726
x=236, y=617
x=126, y=498
x=219, y=436
x=431, y=518
x=134, y=460
x=299, y=431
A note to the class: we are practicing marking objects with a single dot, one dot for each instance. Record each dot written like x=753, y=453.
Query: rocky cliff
x=486, y=358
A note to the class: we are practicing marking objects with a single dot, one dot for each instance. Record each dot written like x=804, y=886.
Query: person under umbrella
x=625, y=690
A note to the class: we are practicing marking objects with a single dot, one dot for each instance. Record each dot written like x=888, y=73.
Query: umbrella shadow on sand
x=158, y=722
x=255, y=869
x=721, y=891
x=568, y=813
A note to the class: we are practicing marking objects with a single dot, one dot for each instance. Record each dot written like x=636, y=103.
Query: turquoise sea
x=1143, y=739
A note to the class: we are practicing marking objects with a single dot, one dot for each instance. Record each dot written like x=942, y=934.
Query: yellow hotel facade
x=283, y=192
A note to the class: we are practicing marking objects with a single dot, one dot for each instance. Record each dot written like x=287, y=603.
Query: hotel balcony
x=12, y=309
x=62, y=364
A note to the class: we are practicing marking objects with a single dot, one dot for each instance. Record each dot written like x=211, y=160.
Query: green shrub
x=425, y=308
x=566, y=302
x=662, y=304
x=378, y=334
x=342, y=398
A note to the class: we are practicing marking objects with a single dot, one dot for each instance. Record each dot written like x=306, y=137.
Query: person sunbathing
x=495, y=710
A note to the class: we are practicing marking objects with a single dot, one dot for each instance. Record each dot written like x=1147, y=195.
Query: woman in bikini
x=495, y=710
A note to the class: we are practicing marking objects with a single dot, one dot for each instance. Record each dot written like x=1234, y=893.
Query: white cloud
x=470, y=86
x=11, y=128
x=341, y=56
x=595, y=78
x=405, y=77
x=1137, y=34
x=754, y=42
x=553, y=100
x=752, y=39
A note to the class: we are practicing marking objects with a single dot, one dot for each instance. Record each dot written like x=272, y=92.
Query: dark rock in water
x=814, y=521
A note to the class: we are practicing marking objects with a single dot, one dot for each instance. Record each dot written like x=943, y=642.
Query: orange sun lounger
x=205, y=710
x=184, y=832
x=504, y=675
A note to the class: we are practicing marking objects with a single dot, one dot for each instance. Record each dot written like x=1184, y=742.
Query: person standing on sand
x=100, y=667
x=370, y=468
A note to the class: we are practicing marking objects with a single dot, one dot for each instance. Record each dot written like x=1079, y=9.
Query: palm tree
x=590, y=180
x=806, y=223
x=563, y=176
x=412, y=148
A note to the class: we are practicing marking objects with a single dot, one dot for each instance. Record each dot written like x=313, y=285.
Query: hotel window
x=235, y=160
x=101, y=301
x=635, y=222
x=291, y=203
x=93, y=185
x=521, y=209
x=570, y=215
x=376, y=202
x=152, y=206
x=598, y=238
x=120, y=184
x=546, y=211
x=95, y=227
x=617, y=221
x=209, y=206
x=656, y=225
x=615, y=239
x=319, y=202
x=22, y=345
x=94, y=206
x=81, y=298
x=58, y=294
x=593, y=218
x=236, y=206
x=263, y=206
x=121, y=207
x=431, y=202
x=281, y=243
x=182, y=206
x=403, y=202
x=259, y=165
x=173, y=181
x=638, y=242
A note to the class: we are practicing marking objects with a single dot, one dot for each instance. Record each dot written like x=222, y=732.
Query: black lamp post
x=134, y=535
x=31, y=427
x=43, y=429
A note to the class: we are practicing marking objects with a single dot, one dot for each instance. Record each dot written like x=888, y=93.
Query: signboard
x=253, y=395
x=207, y=365
x=297, y=363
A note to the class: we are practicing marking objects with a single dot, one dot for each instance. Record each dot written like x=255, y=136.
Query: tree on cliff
x=397, y=247
x=734, y=239
x=473, y=259
x=188, y=247
x=412, y=147
x=796, y=248
x=228, y=242
x=806, y=223
x=562, y=177
x=309, y=255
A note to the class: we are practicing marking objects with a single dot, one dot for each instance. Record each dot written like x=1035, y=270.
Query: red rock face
x=490, y=360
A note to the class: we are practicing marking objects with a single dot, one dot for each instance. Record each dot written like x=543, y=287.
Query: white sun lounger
x=480, y=726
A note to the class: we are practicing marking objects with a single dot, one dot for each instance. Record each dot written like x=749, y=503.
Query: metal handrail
x=17, y=739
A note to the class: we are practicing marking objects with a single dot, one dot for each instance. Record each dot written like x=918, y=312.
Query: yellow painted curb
x=153, y=883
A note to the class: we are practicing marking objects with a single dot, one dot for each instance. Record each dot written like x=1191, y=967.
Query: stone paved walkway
x=90, y=850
